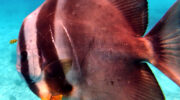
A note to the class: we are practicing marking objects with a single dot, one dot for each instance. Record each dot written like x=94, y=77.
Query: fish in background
x=13, y=41
x=95, y=50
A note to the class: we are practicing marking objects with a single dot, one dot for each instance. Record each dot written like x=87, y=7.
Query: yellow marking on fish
x=46, y=97
x=13, y=41
x=58, y=97
x=66, y=63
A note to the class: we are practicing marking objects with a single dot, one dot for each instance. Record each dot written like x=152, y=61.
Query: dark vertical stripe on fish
x=24, y=61
x=53, y=70
x=45, y=33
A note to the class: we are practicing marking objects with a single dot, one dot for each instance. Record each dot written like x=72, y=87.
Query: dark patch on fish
x=24, y=62
x=54, y=75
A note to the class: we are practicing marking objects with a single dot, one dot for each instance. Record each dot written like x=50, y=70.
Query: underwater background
x=12, y=13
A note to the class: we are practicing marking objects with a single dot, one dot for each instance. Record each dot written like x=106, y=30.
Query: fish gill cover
x=12, y=13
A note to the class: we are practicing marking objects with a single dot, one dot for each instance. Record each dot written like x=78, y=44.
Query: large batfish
x=96, y=50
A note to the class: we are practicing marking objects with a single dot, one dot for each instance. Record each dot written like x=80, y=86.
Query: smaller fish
x=13, y=41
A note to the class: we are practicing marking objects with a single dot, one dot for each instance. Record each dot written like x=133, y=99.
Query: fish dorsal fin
x=136, y=13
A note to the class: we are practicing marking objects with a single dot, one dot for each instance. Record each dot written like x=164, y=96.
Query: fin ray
x=143, y=85
x=138, y=83
x=171, y=36
x=135, y=11
x=165, y=37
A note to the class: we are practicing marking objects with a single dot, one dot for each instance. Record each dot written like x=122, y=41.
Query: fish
x=96, y=50
x=13, y=41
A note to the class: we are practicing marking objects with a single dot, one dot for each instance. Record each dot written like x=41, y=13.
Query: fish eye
x=24, y=56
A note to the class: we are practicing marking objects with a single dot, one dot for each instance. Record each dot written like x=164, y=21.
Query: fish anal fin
x=164, y=38
x=142, y=84
x=135, y=12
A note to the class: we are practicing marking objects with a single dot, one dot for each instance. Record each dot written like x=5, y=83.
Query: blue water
x=12, y=13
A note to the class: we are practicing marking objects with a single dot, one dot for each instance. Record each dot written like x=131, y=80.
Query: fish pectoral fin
x=58, y=97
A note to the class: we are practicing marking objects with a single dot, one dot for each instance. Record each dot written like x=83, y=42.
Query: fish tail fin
x=165, y=41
